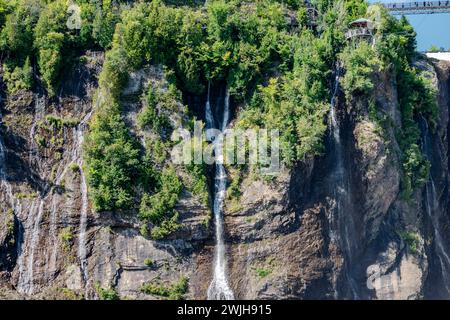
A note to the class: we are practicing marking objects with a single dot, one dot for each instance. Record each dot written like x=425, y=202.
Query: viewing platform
x=359, y=29
x=358, y=33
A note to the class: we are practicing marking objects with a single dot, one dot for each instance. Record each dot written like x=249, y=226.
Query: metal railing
x=358, y=33
x=417, y=7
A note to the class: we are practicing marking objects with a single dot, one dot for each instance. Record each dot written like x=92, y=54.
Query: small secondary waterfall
x=30, y=239
x=219, y=288
x=53, y=228
x=82, y=251
x=3, y=178
x=39, y=111
x=432, y=209
x=341, y=224
x=75, y=158
x=35, y=213
x=32, y=232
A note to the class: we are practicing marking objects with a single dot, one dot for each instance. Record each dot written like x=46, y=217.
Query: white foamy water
x=219, y=289
x=208, y=112
x=51, y=263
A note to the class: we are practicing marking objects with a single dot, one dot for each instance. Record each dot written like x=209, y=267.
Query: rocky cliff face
x=318, y=231
x=286, y=243
x=52, y=243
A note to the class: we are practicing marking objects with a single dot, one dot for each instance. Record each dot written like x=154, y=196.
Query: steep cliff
x=284, y=241
x=53, y=244
x=93, y=206
x=282, y=237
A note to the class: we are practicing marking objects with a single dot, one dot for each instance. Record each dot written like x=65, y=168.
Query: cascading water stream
x=82, y=251
x=75, y=158
x=32, y=230
x=342, y=224
x=3, y=179
x=432, y=209
x=26, y=259
x=29, y=279
x=39, y=111
x=219, y=288
x=53, y=228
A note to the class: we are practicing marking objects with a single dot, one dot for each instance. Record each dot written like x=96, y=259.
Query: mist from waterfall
x=219, y=288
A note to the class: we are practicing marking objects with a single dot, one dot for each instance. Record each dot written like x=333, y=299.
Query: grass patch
x=71, y=294
x=263, y=272
x=106, y=293
x=172, y=291
x=148, y=262
x=412, y=241
x=66, y=237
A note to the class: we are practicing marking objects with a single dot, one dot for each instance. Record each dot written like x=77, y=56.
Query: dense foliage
x=38, y=30
x=393, y=51
x=278, y=68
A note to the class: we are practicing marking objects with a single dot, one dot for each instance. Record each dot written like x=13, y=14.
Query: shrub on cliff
x=172, y=291
x=360, y=63
x=395, y=47
x=18, y=78
x=159, y=207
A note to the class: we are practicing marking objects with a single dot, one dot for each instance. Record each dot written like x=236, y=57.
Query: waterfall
x=75, y=157
x=82, y=251
x=27, y=244
x=3, y=178
x=208, y=112
x=53, y=228
x=29, y=275
x=26, y=268
x=432, y=209
x=35, y=214
x=226, y=111
x=39, y=111
x=341, y=224
x=219, y=288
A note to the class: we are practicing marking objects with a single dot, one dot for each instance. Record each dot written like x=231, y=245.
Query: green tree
x=19, y=78
x=112, y=160
x=50, y=59
x=106, y=16
x=355, y=9
x=16, y=37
